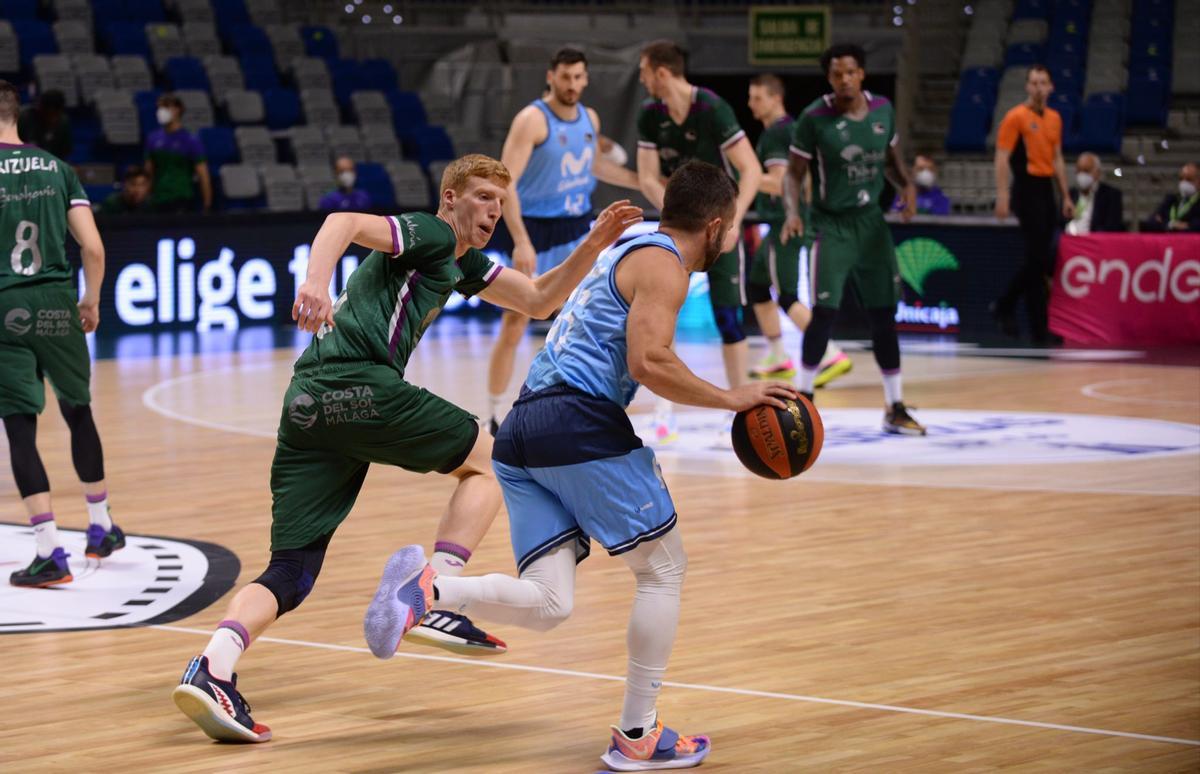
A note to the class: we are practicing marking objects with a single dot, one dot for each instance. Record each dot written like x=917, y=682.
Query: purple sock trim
x=238, y=629
x=97, y=498
x=452, y=548
x=807, y=367
x=890, y=371
x=41, y=518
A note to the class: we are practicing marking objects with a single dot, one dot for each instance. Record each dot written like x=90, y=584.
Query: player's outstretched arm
x=540, y=297
x=82, y=225
x=313, y=306
x=656, y=287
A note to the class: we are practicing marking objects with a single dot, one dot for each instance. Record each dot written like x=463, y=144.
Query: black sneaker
x=216, y=706
x=101, y=542
x=493, y=426
x=454, y=632
x=1006, y=320
x=43, y=572
x=898, y=421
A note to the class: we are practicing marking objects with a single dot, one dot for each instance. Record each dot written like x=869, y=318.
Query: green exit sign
x=788, y=35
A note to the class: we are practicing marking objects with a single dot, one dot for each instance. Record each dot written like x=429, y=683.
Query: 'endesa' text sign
x=1127, y=289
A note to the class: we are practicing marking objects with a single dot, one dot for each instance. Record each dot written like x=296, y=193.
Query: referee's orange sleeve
x=1009, y=132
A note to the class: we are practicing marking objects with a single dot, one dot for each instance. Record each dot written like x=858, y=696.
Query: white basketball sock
x=46, y=533
x=97, y=506
x=777, y=350
x=228, y=643
x=806, y=377
x=496, y=407
x=892, y=389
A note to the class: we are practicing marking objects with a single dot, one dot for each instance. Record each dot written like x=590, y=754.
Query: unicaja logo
x=301, y=411
x=15, y=321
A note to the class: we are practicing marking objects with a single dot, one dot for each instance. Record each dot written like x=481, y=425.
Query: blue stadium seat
x=33, y=37
x=248, y=40
x=85, y=133
x=1067, y=106
x=407, y=111
x=978, y=80
x=219, y=146
x=346, y=79
x=374, y=179
x=1156, y=9
x=1023, y=55
x=1148, y=96
x=230, y=13
x=376, y=75
x=258, y=70
x=127, y=38
x=1102, y=122
x=140, y=11
x=147, y=104
x=1069, y=53
x=1032, y=9
x=970, y=122
x=1067, y=80
x=427, y=144
x=185, y=72
x=319, y=41
x=18, y=9
x=282, y=107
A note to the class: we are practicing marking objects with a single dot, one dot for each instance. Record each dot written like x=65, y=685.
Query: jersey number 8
x=27, y=239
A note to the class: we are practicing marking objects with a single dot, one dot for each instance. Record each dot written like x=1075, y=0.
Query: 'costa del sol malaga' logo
x=302, y=412
x=17, y=321
x=920, y=257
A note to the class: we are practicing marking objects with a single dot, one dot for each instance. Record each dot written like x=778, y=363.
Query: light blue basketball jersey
x=558, y=182
x=586, y=347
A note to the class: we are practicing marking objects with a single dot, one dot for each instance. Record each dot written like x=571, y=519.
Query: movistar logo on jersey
x=16, y=165
x=572, y=165
x=16, y=321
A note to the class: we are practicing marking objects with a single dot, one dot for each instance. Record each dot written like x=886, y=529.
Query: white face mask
x=925, y=178
x=1084, y=181
x=164, y=115
x=1187, y=189
x=346, y=179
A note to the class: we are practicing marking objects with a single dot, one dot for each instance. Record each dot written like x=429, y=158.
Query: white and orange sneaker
x=404, y=597
x=661, y=748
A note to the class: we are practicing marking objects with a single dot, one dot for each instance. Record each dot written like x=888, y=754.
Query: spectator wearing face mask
x=132, y=197
x=1098, y=206
x=345, y=196
x=1179, y=211
x=930, y=199
x=175, y=162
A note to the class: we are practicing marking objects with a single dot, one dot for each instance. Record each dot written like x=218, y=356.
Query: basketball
x=779, y=443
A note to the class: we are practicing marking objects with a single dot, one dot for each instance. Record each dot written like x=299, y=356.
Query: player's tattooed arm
x=313, y=307
x=897, y=173
x=793, y=226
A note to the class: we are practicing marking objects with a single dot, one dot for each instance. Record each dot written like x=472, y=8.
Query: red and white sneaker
x=661, y=748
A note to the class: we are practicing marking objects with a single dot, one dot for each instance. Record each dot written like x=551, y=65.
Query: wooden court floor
x=889, y=616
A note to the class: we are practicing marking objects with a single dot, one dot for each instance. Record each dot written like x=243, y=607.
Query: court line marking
x=1093, y=390
x=150, y=401
x=721, y=689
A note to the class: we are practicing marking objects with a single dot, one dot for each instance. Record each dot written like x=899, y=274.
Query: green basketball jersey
x=710, y=128
x=772, y=150
x=391, y=299
x=847, y=156
x=36, y=190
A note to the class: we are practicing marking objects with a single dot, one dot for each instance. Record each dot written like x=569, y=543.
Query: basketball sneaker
x=44, y=571
x=493, y=426
x=662, y=748
x=102, y=542
x=838, y=365
x=774, y=368
x=664, y=429
x=455, y=632
x=216, y=705
x=898, y=421
x=404, y=596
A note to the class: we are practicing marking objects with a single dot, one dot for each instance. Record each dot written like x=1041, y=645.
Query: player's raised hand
x=89, y=313
x=313, y=307
x=613, y=221
x=792, y=227
x=758, y=393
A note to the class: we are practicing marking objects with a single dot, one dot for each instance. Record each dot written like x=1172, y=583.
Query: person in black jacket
x=1179, y=211
x=1098, y=206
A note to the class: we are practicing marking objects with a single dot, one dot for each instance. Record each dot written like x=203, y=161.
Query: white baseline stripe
x=720, y=689
x=1094, y=390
